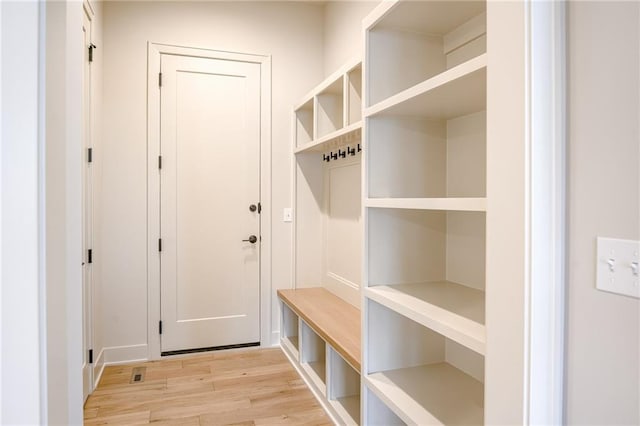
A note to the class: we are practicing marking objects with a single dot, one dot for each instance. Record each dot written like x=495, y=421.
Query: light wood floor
x=248, y=387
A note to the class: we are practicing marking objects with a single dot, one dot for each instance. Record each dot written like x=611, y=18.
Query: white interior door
x=87, y=214
x=209, y=178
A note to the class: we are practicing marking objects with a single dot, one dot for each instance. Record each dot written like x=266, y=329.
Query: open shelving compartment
x=344, y=388
x=313, y=357
x=409, y=42
x=330, y=108
x=304, y=123
x=377, y=413
x=289, y=333
x=432, y=380
x=430, y=266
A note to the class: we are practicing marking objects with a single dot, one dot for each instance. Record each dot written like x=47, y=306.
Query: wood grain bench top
x=334, y=320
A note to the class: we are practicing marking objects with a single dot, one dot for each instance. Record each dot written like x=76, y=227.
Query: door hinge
x=160, y=161
x=91, y=47
x=159, y=79
x=89, y=256
x=160, y=327
x=159, y=244
x=90, y=356
x=89, y=155
x=259, y=207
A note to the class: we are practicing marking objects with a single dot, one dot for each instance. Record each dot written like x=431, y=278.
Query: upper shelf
x=472, y=204
x=428, y=17
x=333, y=140
x=456, y=92
x=331, y=114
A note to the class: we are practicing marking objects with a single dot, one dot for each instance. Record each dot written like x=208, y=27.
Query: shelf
x=458, y=91
x=430, y=394
x=451, y=204
x=409, y=42
x=453, y=310
x=339, y=138
x=416, y=157
x=304, y=118
x=348, y=409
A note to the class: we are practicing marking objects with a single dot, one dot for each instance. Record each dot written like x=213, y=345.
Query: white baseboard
x=275, y=338
x=98, y=368
x=125, y=354
x=343, y=288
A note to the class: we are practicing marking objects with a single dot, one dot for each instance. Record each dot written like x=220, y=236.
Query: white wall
x=343, y=37
x=289, y=31
x=20, y=353
x=603, y=330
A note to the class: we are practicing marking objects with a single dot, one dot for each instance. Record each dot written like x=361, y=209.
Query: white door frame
x=87, y=200
x=546, y=210
x=154, y=51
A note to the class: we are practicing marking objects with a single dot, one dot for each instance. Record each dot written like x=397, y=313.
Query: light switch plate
x=617, y=266
x=287, y=214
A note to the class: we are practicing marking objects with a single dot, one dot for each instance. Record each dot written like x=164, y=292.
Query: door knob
x=252, y=239
x=253, y=207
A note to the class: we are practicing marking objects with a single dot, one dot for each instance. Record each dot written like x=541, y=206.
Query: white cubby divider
x=313, y=357
x=330, y=116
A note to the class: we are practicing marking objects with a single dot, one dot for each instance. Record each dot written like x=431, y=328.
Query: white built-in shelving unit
x=328, y=231
x=425, y=127
x=327, y=185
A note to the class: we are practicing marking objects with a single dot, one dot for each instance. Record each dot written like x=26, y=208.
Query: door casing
x=154, y=51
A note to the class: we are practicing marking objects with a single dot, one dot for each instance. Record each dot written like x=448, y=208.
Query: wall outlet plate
x=617, y=266
x=287, y=214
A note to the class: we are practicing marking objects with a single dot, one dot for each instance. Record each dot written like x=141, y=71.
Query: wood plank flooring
x=247, y=387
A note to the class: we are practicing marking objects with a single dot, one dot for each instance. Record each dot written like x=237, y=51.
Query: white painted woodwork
x=430, y=394
x=431, y=379
x=410, y=157
x=408, y=42
x=210, y=139
x=343, y=389
x=289, y=330
x=458, y=204
x=451, y=309
x=333, y=140
x=377, y=413
x=425, y=103
x=329, y=106
x=354, y=95
x=327, y=195
x=458, y=91
x=343, y=228
x=304, y=123
x=87, y=209
x=313, y=355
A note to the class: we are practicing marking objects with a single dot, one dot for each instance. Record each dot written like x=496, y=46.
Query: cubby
x=430, y=266
x=409, y=42
x=354, y=95
x=289, y=330
x=431, y=380
x=330, y=108
x=313, y=357
x=344, y=388
x=421, y=158
x=377, y=413
x=304, y=119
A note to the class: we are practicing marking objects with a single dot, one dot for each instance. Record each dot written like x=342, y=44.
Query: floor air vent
x=137, y=375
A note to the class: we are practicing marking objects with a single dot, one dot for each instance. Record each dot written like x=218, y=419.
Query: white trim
x=546, y=114
x=98, y=368
x=125, y=354
x=153, y=220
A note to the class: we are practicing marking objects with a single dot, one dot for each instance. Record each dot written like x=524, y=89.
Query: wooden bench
x=334, y=320
x=320, y=333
